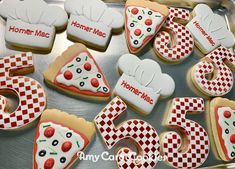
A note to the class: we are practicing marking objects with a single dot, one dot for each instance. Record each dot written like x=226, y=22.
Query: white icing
x=132, y=19
x=85, y=76
x=142, y=76
x=60, y=135
x=94, y=15
x=230, y=126
x=22, y=33
x=31, y=23
x=210, y=29
x=34, y=12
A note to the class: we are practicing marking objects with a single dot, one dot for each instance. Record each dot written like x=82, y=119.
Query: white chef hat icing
x=34, y=12
x=148, y=73
x=215, y=25
x=95, y=10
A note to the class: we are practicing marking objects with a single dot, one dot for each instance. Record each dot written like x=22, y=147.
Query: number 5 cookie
x=142, y=21
x=32, y=24
x=142, y=83
x=31, y=94
x=59, y=139
x=76, y=72
x=222, y=120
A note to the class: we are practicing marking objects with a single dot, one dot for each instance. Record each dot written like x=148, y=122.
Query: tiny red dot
x=227, y=114
x=134, y=11
x=66, y=146
x=148, y=22
x=137, y=32
x=49, y=132
x=49, y=163
x=87, y=66
x=94, y=82
x=232, y=138
x=68, y=75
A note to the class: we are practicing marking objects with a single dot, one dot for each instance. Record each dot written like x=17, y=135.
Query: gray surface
x=16, y=147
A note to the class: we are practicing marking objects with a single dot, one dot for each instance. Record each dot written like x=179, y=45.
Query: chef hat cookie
x=209, y=29
x=32, y=24
x=92, y=22
x=142, y=83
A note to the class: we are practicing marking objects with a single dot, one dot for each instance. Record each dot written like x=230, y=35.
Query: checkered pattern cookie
x=181, y=40
x=222, y=82
x=139, y=131
x=198, y=142
x=32, y=98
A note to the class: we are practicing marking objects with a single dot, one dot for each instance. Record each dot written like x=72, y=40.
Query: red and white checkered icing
x=198, y=142
x=184, y=40
x=138, y=130
x=32, y=98
x=223, y=82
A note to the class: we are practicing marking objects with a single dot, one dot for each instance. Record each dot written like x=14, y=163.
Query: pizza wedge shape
x=59, y=139
x=76, y=73
x=222, y=120
x=143, y=19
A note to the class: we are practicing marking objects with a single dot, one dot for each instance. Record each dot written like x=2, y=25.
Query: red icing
x=227, y=114
x=49, y=132
x=137, y=32
x=148, y=22
x=68, y=75
x=87, y=66
x=95, y=82
x=232, y=138
x=134, y=11
x=66, y=146
x=49, y=163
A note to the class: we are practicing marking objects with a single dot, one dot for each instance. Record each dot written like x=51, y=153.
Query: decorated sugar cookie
x=31, y=95
x=92, y=22
x=209, y=29
x=189, y=149
x=141, y=133
x=142, y=83
x=174, y=43
x=59, y=139
x=32, y=24
x=142, y=21
x=222, y=118
x=211, y=76
x=76, y=72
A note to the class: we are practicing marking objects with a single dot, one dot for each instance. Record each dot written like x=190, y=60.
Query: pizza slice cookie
x=222, y=118
x=76, y=72
x=59, y=139
x=142, y=21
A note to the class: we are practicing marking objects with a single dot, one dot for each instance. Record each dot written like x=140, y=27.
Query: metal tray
x=16, y=147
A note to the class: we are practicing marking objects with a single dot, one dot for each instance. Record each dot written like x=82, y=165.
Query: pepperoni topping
x=87, y=66
x=68, y=75
x=227, y=114
x=232, y=138
x=148, y=22
x=66, y=146
x=134, y=11
x=49, y=132
x=94, y=82
x=137, y=32
x=49, y=163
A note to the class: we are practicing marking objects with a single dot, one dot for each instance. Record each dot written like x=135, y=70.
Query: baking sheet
x=16, y=147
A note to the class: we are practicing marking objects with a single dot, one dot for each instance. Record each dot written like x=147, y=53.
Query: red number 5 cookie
x=32, y=98
x=144, y=135
x=192, y=151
